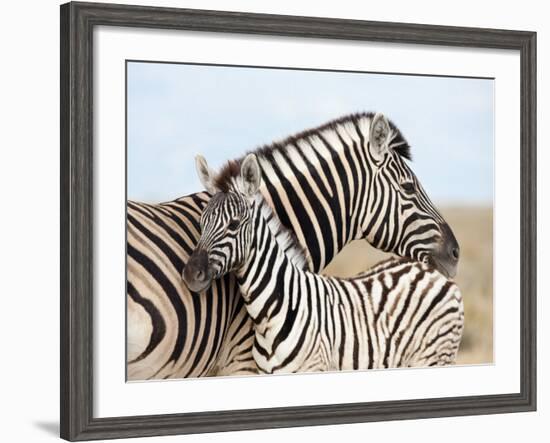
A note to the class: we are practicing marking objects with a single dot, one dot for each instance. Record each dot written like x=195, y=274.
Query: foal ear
x=251, y=175
x=206, y=175
x=379, y=136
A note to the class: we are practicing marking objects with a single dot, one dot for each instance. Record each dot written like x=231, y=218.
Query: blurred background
x=176, y=111
x=473, y=228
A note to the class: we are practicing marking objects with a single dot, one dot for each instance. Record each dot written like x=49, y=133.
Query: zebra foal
x=400, y=313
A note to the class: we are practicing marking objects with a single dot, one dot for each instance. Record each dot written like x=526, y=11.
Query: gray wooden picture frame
x=77, y=23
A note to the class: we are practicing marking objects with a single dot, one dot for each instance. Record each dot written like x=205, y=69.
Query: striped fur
x=171, y=331
x=325, y=185
x=400, y=313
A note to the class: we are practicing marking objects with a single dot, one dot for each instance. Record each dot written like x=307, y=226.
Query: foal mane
x=286, y=238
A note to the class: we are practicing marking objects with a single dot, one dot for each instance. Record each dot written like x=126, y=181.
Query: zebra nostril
x=455, y=253
x=199, y=275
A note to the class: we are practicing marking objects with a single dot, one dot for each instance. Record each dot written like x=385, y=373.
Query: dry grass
x=473, y=228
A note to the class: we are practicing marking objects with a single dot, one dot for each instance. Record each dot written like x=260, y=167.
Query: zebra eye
x=233, y=224
x=408, y=187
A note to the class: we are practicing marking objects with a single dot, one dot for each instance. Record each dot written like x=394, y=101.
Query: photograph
x=279, y=219
x=285, y=220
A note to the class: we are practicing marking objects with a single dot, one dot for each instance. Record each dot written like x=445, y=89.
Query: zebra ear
x=251, y=175
x=206, y=175
x=379, y=136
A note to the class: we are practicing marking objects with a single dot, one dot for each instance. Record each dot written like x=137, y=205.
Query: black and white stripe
x=330, y=185
x=400, y=313
x=171, y=331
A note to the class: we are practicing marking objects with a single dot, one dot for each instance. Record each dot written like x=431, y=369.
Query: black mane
x=398, y=143
x=225, y=177
x=232, y=168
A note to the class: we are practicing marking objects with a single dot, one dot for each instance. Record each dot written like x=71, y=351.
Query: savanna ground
x=473, y=228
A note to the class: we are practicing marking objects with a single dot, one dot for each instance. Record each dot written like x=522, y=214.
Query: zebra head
x=226, y=225
x=399, y=216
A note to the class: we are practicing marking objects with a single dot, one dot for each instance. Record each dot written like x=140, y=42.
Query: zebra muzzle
x=447, y=256
x=196, y=273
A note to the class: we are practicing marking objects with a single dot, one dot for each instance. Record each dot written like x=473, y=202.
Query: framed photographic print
x=273, y=221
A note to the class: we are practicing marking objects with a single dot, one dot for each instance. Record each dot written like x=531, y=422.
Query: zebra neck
x=285, y=240
x=317, y=184
x=273, y=251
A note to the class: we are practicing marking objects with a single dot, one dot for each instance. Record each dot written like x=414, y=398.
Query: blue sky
x=176, y=111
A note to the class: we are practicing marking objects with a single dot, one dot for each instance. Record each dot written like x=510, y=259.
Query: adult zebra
x=401, y=313
x=342, y=181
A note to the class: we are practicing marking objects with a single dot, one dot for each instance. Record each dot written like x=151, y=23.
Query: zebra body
x=400, y=313
x=343, y=181
x=404, y=314
x=170, y=331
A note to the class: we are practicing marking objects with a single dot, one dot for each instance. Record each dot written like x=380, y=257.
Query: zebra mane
x=231, y=169
x=397, y=141
x=286, y=239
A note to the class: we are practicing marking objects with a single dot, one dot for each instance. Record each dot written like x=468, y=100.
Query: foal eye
x=408, y=187
x=233, y=224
